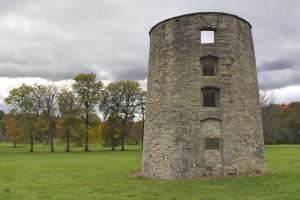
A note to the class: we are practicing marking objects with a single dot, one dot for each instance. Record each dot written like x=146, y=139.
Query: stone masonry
x=183, y=137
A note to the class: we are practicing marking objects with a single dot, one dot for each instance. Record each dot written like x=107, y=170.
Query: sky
x=44, y=40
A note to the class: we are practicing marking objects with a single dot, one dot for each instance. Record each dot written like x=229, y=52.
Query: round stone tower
x=203, y=116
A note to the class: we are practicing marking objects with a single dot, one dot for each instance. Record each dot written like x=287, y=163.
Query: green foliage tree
x=88, y=92
x=136, y=132
x=122, y=99
x=111, y=133
x=21, y=100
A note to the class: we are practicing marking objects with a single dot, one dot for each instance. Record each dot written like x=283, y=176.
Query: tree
x=293, y=118
x=41, y=128
x=131, y=104
x=111, y=132
x=274, y=118
x=141, y=111
x=12, y=133
x=88, y=92
x=122, y=99
x=2, y=114
x=69, y=109
x=21, y=101
x=45, y=96
x=96, y=129
x=2, y=127
x=136, y=132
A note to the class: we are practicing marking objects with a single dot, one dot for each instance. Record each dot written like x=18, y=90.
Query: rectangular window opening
x=207, y=37
x=209, y=68
x=213, y=143
x=209, y=98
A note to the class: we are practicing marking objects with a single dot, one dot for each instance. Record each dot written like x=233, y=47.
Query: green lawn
x=102, y=174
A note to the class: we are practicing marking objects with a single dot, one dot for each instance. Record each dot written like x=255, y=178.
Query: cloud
x=55, y=40
x=278, y=79
x=277, y=65
x=282, y=70
x=285, y=95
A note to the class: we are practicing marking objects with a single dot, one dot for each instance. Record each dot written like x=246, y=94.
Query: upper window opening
x=207, y=37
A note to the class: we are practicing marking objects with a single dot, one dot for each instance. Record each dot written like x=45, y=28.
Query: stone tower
x=203, y=116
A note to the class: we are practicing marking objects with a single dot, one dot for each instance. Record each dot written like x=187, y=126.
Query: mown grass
x=102, y=174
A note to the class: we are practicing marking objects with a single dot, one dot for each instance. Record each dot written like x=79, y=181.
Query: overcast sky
x=44, y=40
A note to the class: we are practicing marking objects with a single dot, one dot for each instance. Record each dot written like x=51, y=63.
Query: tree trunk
x=41, y=136
x=143, y=127
x=68, y=140
x=123, y=141
x=86, y=148
x=123, y=134
x=51, y=130
x=113, y=146
x=15, y=144
x=31, y=136
x=31, y=142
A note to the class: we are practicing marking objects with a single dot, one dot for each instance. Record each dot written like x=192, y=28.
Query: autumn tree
x=96, y=126
x=12, y=127
x=2, y=127
x=21, y=101
x=281, y=122
x=88, y=92
x=293, y=117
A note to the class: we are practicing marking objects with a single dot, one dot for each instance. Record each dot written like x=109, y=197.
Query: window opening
x=207, y=37
x=209, y=68
x=212, y=143
x=209, y=98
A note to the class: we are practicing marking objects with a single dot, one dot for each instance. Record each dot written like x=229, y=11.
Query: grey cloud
x=132, y=74
x=58, y=39
x=277, y=79
x=276, y=65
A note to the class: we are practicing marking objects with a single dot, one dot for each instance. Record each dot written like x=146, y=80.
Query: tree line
x=281, y=122
x=44, y=113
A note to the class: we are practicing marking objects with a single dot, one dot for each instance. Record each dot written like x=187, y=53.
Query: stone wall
x=177, y=124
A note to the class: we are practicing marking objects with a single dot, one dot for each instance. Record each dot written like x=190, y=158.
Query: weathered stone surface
x=177, y=124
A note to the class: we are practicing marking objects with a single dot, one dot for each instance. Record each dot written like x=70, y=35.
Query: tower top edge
x=199, y=13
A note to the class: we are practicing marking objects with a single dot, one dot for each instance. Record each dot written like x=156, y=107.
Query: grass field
x=102, y=174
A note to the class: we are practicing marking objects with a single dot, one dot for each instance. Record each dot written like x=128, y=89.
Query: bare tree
x=46, y=99
x=69, y=109
x=267, y=98
x=272, y=124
